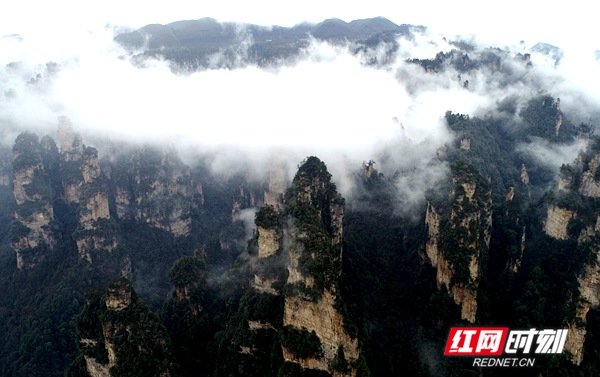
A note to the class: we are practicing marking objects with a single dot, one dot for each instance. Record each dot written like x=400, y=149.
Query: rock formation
x=465, y=144
x=589, y=292
x=590, y=177
x=524, y=175
x=157, y=189
x=556, y=222
x=277, y=183
x=33, y=216
x=150, y=186
x=558, y=125
x=5, y=169
x=268, y=242
x=455, y=242
x=244, y=198
x=85, y=187
x=269, y=230
x=299, y=247
x=369, y=168
x=119, y=334
x=581, y=176
x=312, y=304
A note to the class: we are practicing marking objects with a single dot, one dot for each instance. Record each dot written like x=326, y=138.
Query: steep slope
x=457, y=239
x=312, y=302
x=291, y=318
x=573, y=215
x=85, y=187
x=150, y=187
x=157, y=190
x=32, y=232
x=120, y=336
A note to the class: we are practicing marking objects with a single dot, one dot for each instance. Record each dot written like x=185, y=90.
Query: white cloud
x=551, y=155
x=329, y=101
x=328, y=104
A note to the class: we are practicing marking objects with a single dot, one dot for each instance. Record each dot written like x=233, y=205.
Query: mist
x=328, y=103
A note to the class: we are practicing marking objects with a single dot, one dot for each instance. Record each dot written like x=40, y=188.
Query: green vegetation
x=340, y=364
x=27, y=150
x=268, y=217
x=38, y=188
x=187, y=271
x=138, y=338
x=542, y=115
x=312, y=202
x=18, y=231
x=302, y=343
x=464, y=224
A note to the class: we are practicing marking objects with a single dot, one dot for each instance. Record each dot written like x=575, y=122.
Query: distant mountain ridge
x=195, y=43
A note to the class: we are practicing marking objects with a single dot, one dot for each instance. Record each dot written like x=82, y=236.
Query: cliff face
x=150, y=186
x=70, y=142
x=590, y=183
x=328, y=324
x=455, y=242
x=269, y=234
x=432, y=222
x=579, y=180
x=5, y=169
x=589, y=296
x=154, y=187
x=589, y=290
x=43, y=176
x=243, y=199
x=85, y=186
x=299, y=247
x=33, y=217
x=312, y=304
x=120, y=335
x=268, y=242
x=556, y=222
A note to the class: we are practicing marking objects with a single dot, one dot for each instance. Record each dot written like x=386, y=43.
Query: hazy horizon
x=329, y=103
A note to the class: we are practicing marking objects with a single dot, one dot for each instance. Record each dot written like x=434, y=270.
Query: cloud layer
x=330, y=103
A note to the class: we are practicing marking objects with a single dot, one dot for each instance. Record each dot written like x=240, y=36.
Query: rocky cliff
x=268, y=241
x=119, y=335
x=43, y=176
x=294, y=282
x=5, y=168
x=155, y=187
x=86, y=188
x=556, y=222
x=32, y=229
x=589, y=291
x=268, y=228
x=456, y=239
x=589, y=295
x=578, y=184
x=572, y=216
x=244, y=198
x=315, y=252
x=149, y=186
x=590, y=177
